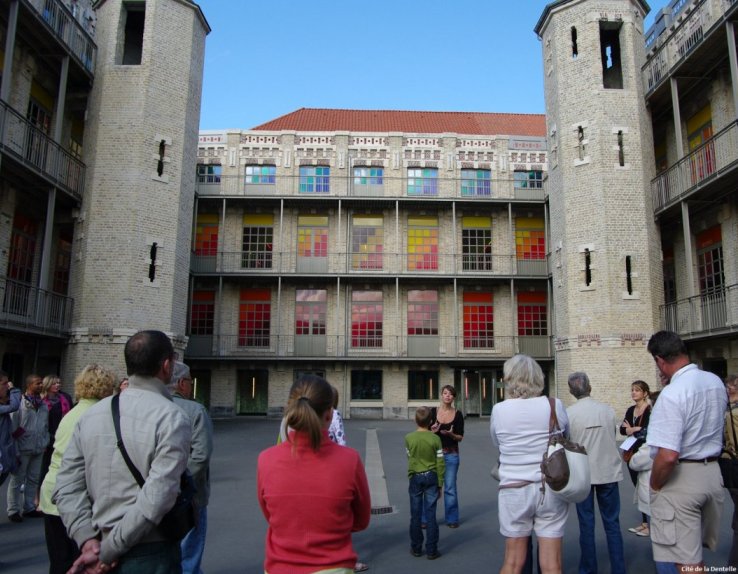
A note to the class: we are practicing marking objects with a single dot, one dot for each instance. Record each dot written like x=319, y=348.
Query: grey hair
x=579, y=385
x=523, y=377
x=180, y=371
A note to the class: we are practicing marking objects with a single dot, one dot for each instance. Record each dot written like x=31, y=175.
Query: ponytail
x=310, y=397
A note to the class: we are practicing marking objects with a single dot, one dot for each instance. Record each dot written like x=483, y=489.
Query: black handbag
x=729, y=464
x=183, y=516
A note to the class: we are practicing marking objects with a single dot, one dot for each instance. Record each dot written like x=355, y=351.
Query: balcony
x=385, y=348
x=706, y=167
x=32, y=310
x=57, y=18
x=690, y=29
x=366, y=264
x=702, y=315
x=33, y=149
x=344, y=186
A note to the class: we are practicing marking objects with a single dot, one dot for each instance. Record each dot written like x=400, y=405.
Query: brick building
x=99, y=110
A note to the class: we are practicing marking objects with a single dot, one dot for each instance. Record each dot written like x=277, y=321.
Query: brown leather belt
x=702, y=460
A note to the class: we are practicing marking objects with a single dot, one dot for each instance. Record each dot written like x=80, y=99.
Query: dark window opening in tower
x=580, y=137
x=160, y=163
x=133, y=16
x=628, y=274
x=621, y=150
x=574, y=47
x=612, y=68
x=587, y=268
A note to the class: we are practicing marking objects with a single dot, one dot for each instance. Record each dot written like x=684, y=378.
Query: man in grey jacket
x=112, y=519
x=593, y=425
x=182, y=389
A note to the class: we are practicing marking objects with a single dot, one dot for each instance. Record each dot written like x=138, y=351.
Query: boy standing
x=425, y=470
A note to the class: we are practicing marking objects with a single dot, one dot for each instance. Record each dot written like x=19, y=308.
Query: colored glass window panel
x=476, y=243
x=367, y=316
x=422, y=181
x=257, y=241
x=367, y=242
x=208, y=173
x=312, y=236
x=310, y=311
x=206, y=235
x=315, y=179
x=528, y=180
x=368, y=176
x=260, y=174
x=422, y=244
x=254, y=318
x=530, y=238
x=710, y=267
x=476, y=182
x=478, y=320
x=532, y=314
x=422, y=313
x=202, y=312
x=22, y=248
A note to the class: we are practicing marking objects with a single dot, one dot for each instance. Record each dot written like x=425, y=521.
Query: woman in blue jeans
x=448, y=423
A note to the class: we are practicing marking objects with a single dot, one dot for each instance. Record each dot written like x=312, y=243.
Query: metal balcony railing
x=437, y=348
x=27, y=308
x=703, y=164
x=687, y=32
x=702, y=314
x=66, y=28
x=340, y=185
x=385, y=263
x=37, y=151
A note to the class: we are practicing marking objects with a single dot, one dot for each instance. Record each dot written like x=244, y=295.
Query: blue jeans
x=423, y=491
x=193, y=545
x=608, y=499
x=450, y=498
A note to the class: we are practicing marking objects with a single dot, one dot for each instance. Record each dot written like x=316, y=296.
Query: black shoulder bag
x=729, y=464
x=183, y=516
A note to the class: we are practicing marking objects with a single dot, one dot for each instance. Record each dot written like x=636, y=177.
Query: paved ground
x=236, y=528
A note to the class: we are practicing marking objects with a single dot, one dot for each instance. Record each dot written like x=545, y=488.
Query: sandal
x=637, y=529
x=361, y=567
x=644, y=532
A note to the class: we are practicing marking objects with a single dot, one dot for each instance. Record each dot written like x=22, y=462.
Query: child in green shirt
x=425, y=470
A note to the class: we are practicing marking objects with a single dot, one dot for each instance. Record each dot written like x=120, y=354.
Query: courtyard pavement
x=236, y=527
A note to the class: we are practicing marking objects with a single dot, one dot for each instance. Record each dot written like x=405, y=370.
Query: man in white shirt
x=594, y=425
x=685, y=437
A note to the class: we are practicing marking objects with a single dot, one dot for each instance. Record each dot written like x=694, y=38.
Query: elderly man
x=111, y=518
x=594, y=425
x=686, y=437
x=198, y=464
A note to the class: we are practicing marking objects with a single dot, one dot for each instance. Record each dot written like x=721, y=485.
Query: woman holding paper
x=634, y=426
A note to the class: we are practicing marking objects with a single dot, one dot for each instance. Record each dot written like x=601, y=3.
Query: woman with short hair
x=520, y=429
x=313, y=492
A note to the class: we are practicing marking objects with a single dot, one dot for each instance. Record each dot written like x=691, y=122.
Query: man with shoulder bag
x=116, y=520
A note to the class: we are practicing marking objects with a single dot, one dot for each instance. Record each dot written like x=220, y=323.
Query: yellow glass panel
x=423, y=221
x=704, y=116
x=312, y=220
x=368, y=220
x=265, y=219
x=43, y=97
x=468, y=222
x=205, y=218
x=529, y=223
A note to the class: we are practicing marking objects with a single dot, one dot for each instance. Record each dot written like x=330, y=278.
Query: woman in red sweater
x=313, y=492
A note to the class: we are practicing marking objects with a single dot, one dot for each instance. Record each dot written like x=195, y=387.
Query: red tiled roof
x=471, y=123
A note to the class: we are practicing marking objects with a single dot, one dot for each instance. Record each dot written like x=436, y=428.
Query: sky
x=267, y=59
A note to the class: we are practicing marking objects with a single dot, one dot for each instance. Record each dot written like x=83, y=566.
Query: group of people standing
x=97, y=517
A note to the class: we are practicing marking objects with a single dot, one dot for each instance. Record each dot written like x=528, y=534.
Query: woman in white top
x=519, y=428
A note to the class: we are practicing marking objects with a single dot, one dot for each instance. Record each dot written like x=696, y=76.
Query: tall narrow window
x=670, y=291
x=22, y=249
x=367, y=316
x=701, y=146
x=476, y=243
x=134, y=14
x=629, y=274
x=710, y=261
x=422, y=243
x=367, y=242
x=574, y=47
x=202, y=312
x=62, y=262
x=612, y=68
x=478, y=320
x=254, y=318
x=422, y=313
x=621, y=149
x=258, y=232
x=587, y=267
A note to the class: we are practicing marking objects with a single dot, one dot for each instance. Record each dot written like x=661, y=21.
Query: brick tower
x=132, y=238
x=605, y=253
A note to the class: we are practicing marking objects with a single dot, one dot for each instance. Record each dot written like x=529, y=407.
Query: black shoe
x=33, y=514
x=435, y=555
x=15, y=518
x=416, y=553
